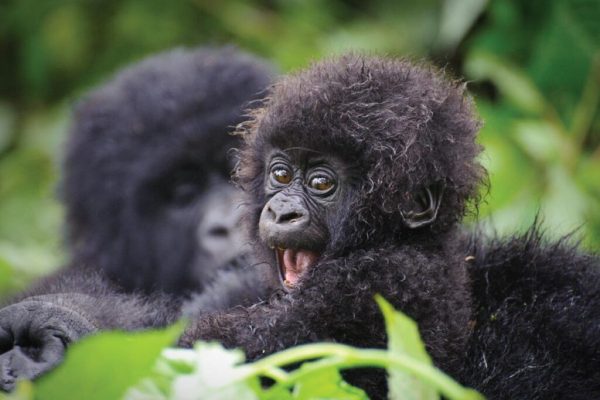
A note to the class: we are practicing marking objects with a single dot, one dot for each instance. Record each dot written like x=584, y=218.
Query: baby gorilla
x=357, y=174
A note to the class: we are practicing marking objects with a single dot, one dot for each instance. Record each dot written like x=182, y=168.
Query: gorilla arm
x=38, y=326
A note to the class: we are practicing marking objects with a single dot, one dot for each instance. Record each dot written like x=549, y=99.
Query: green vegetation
x=533, y=67
x=210, y=372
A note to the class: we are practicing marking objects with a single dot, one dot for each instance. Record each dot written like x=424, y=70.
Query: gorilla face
x=188, y=218
x=303, y=188
x=219, y=234
x=307, y=194
x=146, y=172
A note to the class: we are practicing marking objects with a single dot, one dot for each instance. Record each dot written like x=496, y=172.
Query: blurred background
x=533, y=67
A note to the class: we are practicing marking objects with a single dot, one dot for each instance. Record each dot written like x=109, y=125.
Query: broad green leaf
x=404, y=342
x=276, y=393
x=104, y=366
x=326, y=384
x=404, y=339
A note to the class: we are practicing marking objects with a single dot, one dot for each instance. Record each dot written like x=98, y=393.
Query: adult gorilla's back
x=146, y=169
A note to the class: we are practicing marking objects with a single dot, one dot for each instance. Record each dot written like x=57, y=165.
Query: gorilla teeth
x=281, y=268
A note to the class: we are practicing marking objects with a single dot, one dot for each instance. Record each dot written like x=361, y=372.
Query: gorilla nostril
x=218, y=231
x=273, y=215
x=290, y=217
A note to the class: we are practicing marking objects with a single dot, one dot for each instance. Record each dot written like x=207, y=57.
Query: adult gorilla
x=358, y=172
x=146, y=187
x=146, y=174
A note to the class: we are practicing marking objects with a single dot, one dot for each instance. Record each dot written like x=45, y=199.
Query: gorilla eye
x=321, y=183
x=281, y=175
x=184, y=193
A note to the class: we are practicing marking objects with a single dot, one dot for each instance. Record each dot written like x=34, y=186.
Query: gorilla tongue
x=293, y=263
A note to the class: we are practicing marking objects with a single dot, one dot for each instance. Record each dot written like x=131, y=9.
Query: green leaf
x=104, y=366
x=276, y=393
x=325, y=384
x=404, y=339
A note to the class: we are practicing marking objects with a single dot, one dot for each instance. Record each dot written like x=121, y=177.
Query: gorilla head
x=355, y=153
x=146, y=170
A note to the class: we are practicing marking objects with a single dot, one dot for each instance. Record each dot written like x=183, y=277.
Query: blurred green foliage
x=532, y=65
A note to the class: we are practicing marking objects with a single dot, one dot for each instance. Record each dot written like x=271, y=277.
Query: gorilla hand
x=34, y=334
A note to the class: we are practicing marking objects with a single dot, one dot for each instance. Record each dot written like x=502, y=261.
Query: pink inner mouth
x=293, y=263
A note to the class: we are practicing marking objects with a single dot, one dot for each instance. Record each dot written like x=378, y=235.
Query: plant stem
x=277, y=374
x=343, y=357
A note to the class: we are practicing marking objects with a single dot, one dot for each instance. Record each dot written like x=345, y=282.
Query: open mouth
x=293, y=263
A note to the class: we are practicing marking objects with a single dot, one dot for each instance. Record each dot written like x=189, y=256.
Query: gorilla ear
x=426, y=207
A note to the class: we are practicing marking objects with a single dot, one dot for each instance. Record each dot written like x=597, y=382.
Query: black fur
x=159, y=125
x=401, y=127
x=536, y=319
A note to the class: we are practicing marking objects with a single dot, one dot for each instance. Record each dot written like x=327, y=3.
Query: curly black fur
x=159, y=123
x=537, y=319
x=401, y=127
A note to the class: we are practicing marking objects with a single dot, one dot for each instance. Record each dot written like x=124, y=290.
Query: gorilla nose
x=283, y=220
x=291, y=217
x=218, y=231
x=283, y=212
